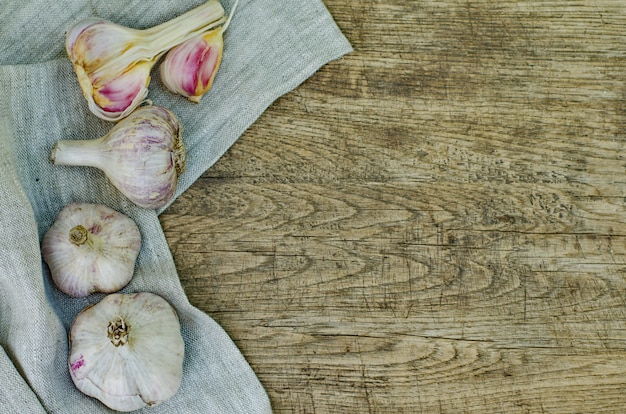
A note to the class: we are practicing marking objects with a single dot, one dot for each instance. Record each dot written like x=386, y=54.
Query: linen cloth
x=270, y=48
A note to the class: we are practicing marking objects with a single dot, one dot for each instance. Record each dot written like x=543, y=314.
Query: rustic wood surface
x=434, y=223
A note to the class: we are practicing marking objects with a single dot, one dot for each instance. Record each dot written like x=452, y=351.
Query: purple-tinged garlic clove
x=189, y=69
x=119, y=96
x=127, y=351
x=143, y=155
x=102, y=52
x=91, y=248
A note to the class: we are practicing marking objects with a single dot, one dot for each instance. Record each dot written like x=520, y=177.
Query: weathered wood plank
x=434, y=223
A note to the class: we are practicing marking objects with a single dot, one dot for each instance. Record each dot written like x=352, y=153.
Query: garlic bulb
x=127, y=351
x=113, y=62
x=143, y=155
x=190, y=68
x=91, y=248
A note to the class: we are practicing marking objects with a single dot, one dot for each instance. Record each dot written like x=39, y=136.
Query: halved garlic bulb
x=189, y=69
x=113, y=62
x=127, y=351
x=91, y=248
x=143, y=155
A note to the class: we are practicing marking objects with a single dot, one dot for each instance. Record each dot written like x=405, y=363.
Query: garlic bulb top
x=143, y=155
x=127, y=351
x=113, y=62
x=91, y=248
x=189, y=69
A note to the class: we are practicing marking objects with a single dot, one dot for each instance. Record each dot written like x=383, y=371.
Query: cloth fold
x=270, y=48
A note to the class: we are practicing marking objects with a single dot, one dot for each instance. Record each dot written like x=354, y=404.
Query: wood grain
x=434, y=223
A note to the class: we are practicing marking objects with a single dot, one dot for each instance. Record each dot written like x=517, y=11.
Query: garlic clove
x=102, y=51
x=91, y=248
x=121, y=95
x=127, y=351
x=143, y=155
x=92, y=42
x=189, y=69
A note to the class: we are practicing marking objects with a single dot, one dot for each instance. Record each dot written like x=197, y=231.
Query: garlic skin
x=143, y=155
x=127, y=351
x=189, y=69
x=91, y=248
x=107, y=56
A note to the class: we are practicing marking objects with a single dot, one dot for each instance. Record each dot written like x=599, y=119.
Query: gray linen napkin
x=271, y=47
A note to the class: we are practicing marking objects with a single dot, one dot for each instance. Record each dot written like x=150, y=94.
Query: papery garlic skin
x=103, y=52
x=127, y=351
x=91, y=248
x=189, y=69
x=143, y=155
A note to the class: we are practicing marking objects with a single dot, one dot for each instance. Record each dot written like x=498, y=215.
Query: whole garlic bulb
x=143, y=155
x=127, y=351
x=91, y=248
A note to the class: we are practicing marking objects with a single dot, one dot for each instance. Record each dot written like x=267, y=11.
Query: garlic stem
x=193, y=18
x=78, y=153
x=230, y=16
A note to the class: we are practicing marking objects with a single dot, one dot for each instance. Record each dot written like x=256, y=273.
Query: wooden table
x=435, y=223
